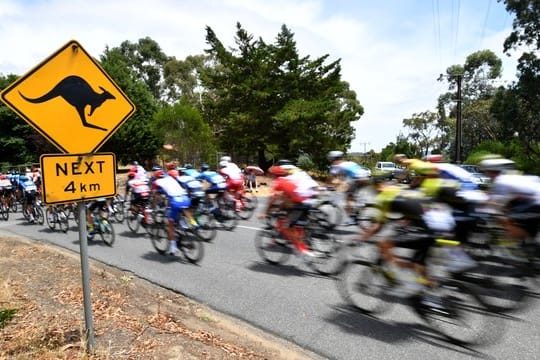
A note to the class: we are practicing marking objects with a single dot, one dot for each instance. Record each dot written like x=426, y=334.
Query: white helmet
x=498, y=164
x=223, y=163
x=335, y=154
x=225, y=158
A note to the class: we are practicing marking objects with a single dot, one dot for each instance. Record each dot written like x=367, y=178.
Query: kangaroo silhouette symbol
x=79, y=94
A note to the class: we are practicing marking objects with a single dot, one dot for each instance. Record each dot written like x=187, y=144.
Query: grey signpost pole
x=86, y=278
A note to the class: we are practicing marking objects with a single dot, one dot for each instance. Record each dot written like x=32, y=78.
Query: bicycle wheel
x=226, y=216
x=13, y=204
x=207, y=228
x=365, y=216
x=118, y=208
x=364, y=286
x=458, y=314
x=248, y=206
x=272, y=247
x=38, y=214
x=4, y=210
x=50, y=216
x=329, y=214
x=63, y=221
x=158, y=234
x=106, y=232
x=326, y=249
x=191, y=246
x=133, y=221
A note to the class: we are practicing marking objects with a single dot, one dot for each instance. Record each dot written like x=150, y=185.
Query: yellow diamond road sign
x=75, y=177
x=70, y=100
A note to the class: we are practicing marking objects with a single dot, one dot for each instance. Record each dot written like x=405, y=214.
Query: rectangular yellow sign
x=77, y=177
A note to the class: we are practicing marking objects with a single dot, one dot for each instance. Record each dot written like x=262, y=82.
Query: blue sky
x=391, y=51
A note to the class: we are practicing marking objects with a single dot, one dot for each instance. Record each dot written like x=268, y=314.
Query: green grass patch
x=6, y=315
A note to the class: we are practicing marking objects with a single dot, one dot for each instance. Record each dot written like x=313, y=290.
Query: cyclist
x=355, y=176
x=140, y=194
x=234, y=179
x=293, y=190
x=215, y=181
x=92, y=206
x=178, y=201
x=6, y=188
x=29, y=192
x=193, y=186
x=516, y=196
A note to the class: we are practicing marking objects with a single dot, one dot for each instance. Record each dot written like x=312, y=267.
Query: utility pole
x=365, y=144
x=458, y=121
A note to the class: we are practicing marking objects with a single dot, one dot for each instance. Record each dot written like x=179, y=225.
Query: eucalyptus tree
x=518, y=107
x=136, y=139
x=475, y=82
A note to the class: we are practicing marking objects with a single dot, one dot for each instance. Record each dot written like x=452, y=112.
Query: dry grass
x=132, y=318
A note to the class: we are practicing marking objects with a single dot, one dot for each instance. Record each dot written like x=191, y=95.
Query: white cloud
x=391, y=52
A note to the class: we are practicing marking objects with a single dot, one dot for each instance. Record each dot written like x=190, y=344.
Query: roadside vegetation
x=260, y=102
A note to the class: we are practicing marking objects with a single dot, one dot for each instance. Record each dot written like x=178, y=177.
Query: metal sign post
x=85, y=271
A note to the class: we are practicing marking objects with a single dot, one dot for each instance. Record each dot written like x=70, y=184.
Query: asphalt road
x=290, y=301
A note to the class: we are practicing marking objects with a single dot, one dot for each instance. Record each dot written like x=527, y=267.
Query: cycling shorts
x=176, y=205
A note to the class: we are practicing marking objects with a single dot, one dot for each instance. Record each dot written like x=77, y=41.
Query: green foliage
x=182, y=126
x=6, y=315
x=304, y=162
x=265, y=99
x=136, y=139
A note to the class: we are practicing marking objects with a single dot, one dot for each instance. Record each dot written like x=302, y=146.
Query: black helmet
x=205, y=167
x=188, y=166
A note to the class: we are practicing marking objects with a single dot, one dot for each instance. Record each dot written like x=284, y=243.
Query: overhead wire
x=485, y=23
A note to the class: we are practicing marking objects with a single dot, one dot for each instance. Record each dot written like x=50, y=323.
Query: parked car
x=479, y=177
x=387, y=169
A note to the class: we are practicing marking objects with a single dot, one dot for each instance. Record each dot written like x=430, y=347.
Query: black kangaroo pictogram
x=79, y=94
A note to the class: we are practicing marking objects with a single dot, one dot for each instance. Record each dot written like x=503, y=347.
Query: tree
x=425, y=133
x=146, y=61
x=265, y=99
x=182, y=126
x=135, y=140
x=19, y=142
x=517, y=107
x=476, y=78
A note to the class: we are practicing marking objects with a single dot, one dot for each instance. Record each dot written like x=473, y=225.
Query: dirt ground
x=42, y=314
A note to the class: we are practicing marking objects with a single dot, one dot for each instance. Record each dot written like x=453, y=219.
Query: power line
x=485, y=23
x=457, y=26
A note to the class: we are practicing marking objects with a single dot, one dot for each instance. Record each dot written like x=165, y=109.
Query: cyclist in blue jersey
x=29, y=192
x=193, y=186
x=355, y=176
x=216, y=182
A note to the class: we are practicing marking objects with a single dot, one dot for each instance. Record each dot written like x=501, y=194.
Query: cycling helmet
x=335, y=155
x=277, y=170
x=205, y=167
x=181, y=170
x=225, y=158
x=170, y=165
x=188, y=166
x=424, y=168
x=398, y=158
x=223, y=163
x=284, y=162
x=159, y=173
x=156, y=168
x=496, y=165
x=131, y=175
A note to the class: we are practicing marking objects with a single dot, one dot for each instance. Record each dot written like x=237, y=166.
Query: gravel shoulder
x=42, y=314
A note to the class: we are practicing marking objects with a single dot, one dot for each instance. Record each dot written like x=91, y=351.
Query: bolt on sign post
x=70, y=100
